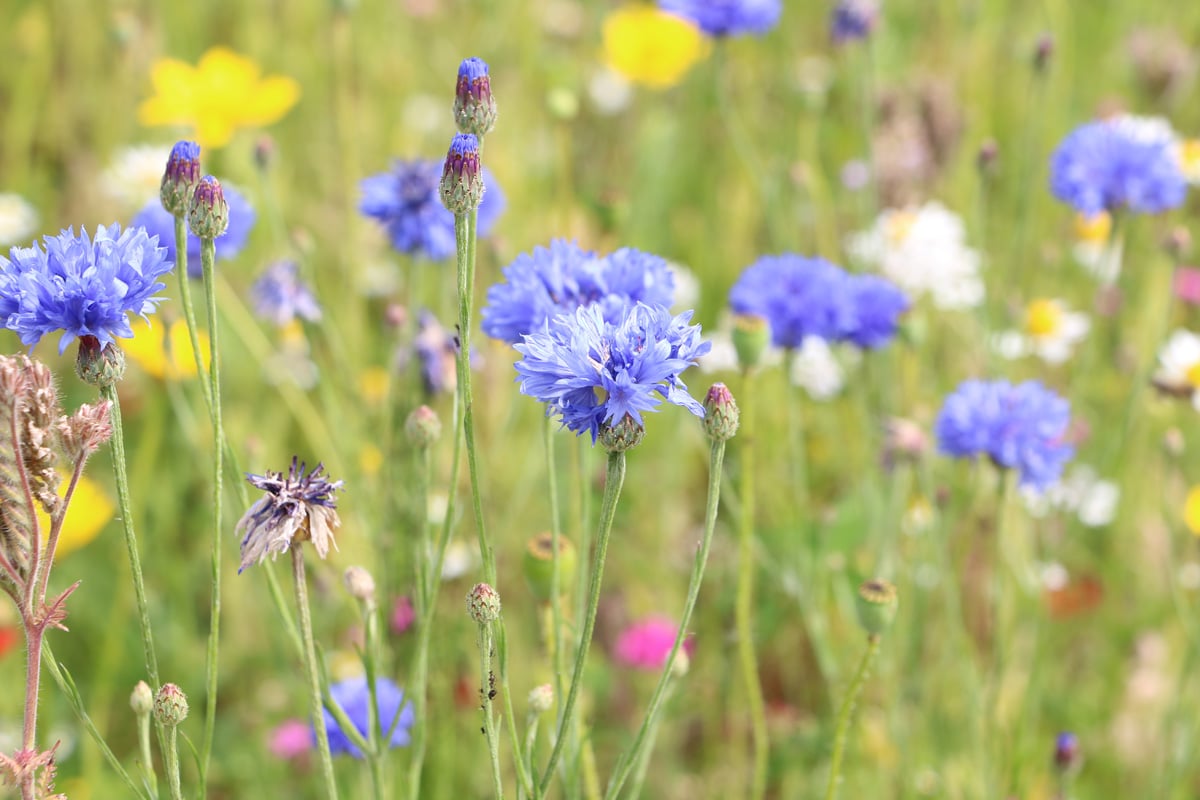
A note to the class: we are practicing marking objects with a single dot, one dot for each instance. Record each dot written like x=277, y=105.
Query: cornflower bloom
x=280, y=295
x=407, y=203
x=354, y=696
x=296, y=508
x=81, y=285
x=436, y=349
x=852, y=20
x=595, y=373
x=797, y=296
x=646, y=644
x=877, y=304
x=556, y=280
x=1020, y=427
x=652, y=47
x=727, y=17
x=158, y=222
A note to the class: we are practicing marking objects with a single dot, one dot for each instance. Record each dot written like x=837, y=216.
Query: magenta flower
x=1187, y=285
x=290, y=739
x=403, y=615
x=647, y=643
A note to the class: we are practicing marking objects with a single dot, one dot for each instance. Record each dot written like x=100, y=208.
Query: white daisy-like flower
x=924, y=252
x=135, y=175
x=815, y=369
x=18, y=220
x=1091, y=248
x=1179, y=366
x=1081, y=492
x=1050, y=332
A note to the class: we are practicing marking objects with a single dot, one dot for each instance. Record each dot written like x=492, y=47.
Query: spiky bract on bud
x=208, y=212
x=720, y=413
x=539, y=565
x=141, y=700
x=474, y=106
x=483, y=603
x=461, y=186
x=171, y=705
x=622, y=435
x=877, y=601
x=99, y=365
x=180, y=177
x=423, y=427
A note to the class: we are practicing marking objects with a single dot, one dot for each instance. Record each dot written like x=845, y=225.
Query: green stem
x=171, y=763
x=645, y=734
x=524, y=781
x=424, y=596
x=185, y=300
x=377, y=748
x=844, y=715
x=487, y=681
x=143, y=734
x=310, y=665
x=643, y=759
x=744, y=605
x=614, y=479
x=556, y=623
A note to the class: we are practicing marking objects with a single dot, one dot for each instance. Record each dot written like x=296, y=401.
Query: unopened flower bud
x=98, y=365
x=462, y=175
x=180, y=178
x=1067, y=755
x=360, y=584
x=483, y=604
x=622, y=435
x=171, y=705
x=720, y=413
x=423, y=427
x=987, y=157
x=539, y=565
x=142, y=699
x=541, y=699
x=1043, y=51
x=751, y=335
x=877, y=601
x=208, y=213
x=264, y=151
x=474, y=106
x=1178, y=243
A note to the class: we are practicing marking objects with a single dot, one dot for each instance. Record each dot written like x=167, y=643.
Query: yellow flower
x=1093, y=229
x=165, y=354
x=652, y=47
x=222, y=93
x=370, y=460
x=1191, y=510
x=373, y=385
x=90, y=510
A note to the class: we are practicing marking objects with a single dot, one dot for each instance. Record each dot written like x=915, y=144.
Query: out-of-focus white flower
x=1050, y=332
x=135, y=174
x=1179, y=366
x=815, y=369
x=1080, y=492
x=1054, y=576
x=609, y=92
x=924, y=251
x=18, y=220
x=1159, y=129
x=1091, y=248
x=461, y=558
x=687, y=287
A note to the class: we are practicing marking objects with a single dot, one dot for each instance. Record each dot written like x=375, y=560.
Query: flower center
x=1043, y=318
x=601, y=394
x=899, y=225
x=1193, y=375
x=1094, y=229
x=1189, y=156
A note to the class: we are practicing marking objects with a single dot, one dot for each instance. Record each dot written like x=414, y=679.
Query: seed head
x=877, y=601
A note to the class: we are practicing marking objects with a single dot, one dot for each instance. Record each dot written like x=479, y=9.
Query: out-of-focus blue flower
x=436, y=350
x=280, y=295
x=797, y=296
x=878, y=304
x=556, y=280
x=407, y=202
x=81, y=285
x=727, y=17
x=594, y=372
x=354, y=696
x=1106, y=166
x=1020, y=427
x=853, y=19
x=159, y=222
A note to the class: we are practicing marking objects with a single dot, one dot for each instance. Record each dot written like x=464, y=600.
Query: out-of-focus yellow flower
x=652, y=47
x=222, y=93
x=90, y=510
x=373, y=384
x=1094, y=228
x=1191, y=510
x=370, y=460
x=165, y=354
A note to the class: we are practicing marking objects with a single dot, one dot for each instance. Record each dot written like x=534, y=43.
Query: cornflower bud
x=208, y=213
x=720, y=413
x=99, y=365
x=462, y=177
x=474, y=106
x=142, y=699
x=1067, y=755
x=622, y=435
x=360, y=584
x=180, y=178
x=541, y=699
x=423, y=427
x=171, y=705
x=483, y=604
x=539, y=565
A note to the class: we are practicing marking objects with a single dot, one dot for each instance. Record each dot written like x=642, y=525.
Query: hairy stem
x=845, y=714
x=310, y=665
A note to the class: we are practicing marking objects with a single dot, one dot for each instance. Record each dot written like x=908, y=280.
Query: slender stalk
x=643, y=759
x=614, y=479
x=486, y=692
x=556, y=616
x=744, y=604
x=844, y=715
x=310, y=665
x=33, y=672
x=171, y=762
x=645, y=734
x=524, y=781
x=377, y=746
x=143, y=734
x=185, y=300
x=426, y=596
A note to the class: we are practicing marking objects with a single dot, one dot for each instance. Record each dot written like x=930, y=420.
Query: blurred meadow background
x=1022, y=614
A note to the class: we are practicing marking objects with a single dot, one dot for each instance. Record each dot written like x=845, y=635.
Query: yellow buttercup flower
x=165, y=354
x=1191, y=510
x=222, y=93
x=652, y=47
x=90, y=510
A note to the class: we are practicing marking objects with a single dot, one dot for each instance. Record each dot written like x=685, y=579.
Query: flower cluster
x=1020, y=427
x=295, y=508
x=81, y=285
x=727, y=17
x=158, y=222
x=555, y=280
x=407, y=203
x=801, y=297
x=595, y=373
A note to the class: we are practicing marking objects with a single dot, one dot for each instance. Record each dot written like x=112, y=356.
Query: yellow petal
x=90, y=510
x=272, y=98
x=1191, y=510
x=652, y=47
x=146, y=348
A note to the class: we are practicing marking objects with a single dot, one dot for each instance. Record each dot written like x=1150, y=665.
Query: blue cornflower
x=727, y=17
x=539, y=286
x=159, y=222
x=853, y=19
x=594, y=372
x=878, y=304
x=1107, y=165
x=1020, y=427
x=797, y=296
x=354, y=696
x=436, y=350
x=407, y=202
x=280, y=295
x=82, y=286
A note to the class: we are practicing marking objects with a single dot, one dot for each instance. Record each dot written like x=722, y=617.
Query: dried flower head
x=297, y=507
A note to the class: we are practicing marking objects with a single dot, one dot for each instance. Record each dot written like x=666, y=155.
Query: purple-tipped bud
x=1067, y=755
x=462, y=176
x=97, y=364
x=423, y=427
x=483, y=604
x=625, y=434
x=171, y=705
x=474, y=106
x=720, y=413
x=264, y=151
x=180, y=178
x=986, y=159
x=208, y=214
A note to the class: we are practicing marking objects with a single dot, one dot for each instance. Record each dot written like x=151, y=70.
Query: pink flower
x=403, y=615
x=647, y=644
x=1187, y=285
x=291, y=739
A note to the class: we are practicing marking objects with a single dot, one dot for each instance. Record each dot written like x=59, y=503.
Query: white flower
x=18, y=220
x=924, y=251
x=460, y=559
x=135, y=175
x=1091, y=248
x=816, y=370
x=1051, y=332
x=1080, y=492
x=1179, y=366
x=609, y=92
x=687, y=287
